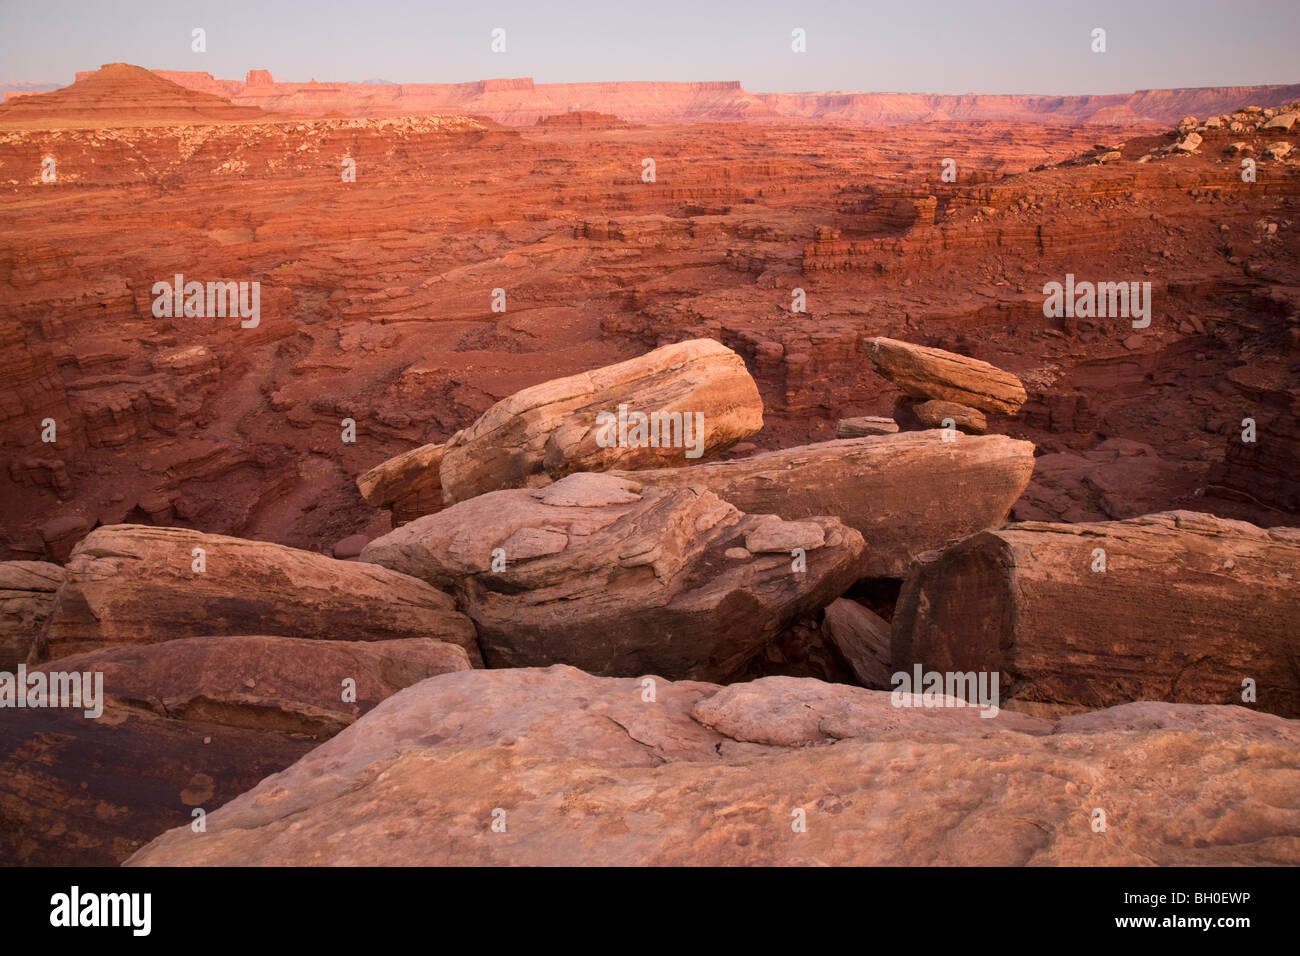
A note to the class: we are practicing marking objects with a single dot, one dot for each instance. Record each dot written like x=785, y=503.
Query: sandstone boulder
x=409, y=485
x=906, y=493
x=26, y=598
x=599, y=572
x=935, y=413
x=1188, y=609
x=556, y=428
x=863, y=640
x=133, y=584
x=592, y=771
x=927, y=373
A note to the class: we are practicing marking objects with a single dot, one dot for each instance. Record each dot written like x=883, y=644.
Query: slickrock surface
x=1189, y=607
x=552, y=429
x=906, y=493
x=584, y=770
x=599, y=572
x=928, y=373
x=26, y=599
x=130, y=584
x=186, y=724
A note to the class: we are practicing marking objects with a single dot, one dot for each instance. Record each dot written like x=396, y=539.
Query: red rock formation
x=120, y=94
x=520, y=101
x=709, y=775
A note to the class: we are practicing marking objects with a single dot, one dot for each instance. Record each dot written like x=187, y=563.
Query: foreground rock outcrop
x=553, y=429
x=906, y=493
x=133, y=584
x=1177, y=606
x=603, y=573
x=556, y=767
x=185, y=726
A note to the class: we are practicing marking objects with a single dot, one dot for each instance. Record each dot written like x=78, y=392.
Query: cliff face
x=122, y=94
x=521, y=102
x=1145, y=107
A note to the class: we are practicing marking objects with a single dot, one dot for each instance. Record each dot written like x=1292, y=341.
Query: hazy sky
x=942, y=46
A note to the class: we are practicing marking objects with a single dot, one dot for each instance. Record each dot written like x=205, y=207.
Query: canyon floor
x=469, y=260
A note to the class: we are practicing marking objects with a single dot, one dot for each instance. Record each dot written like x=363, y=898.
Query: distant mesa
x=519, y=101
x=583, y=118
x=119, y=94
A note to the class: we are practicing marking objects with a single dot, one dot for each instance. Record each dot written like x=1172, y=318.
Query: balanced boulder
x=926, y=373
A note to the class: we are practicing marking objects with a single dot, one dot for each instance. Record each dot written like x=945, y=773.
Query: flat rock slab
x=593, y=771
x=927, y=373
x=134, y=584
x=551, y=430
x=862, y=427
x=906, y=493
x=289, y=684
x=1189, y=606
x=602, y=573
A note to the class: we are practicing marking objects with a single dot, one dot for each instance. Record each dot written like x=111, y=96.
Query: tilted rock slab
x=550, y=430
x=135, y=584
x=589, y=771
x=409, y=485
x=186, y=724
x=906, y=493
x=927, y=373
x=1189, y=606
x=288, y=684
x=27, y=591
x=599, y=572
x=863, y=639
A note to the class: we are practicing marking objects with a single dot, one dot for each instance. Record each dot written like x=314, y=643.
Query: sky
x=939, y=46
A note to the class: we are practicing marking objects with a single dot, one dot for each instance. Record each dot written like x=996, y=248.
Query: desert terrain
x=849, y=287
